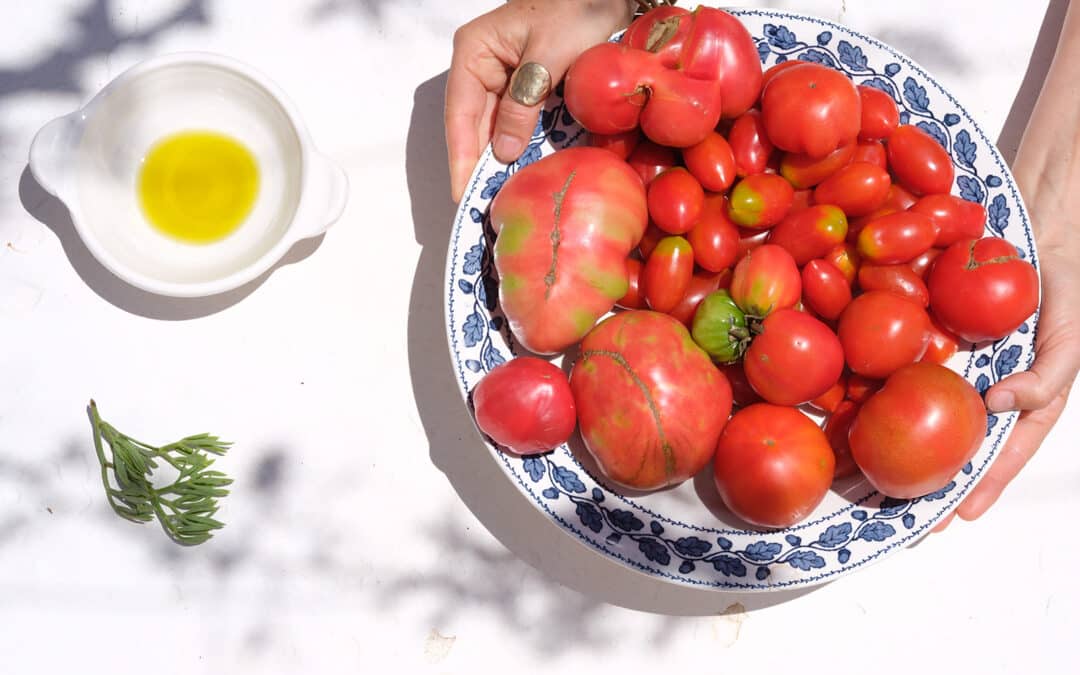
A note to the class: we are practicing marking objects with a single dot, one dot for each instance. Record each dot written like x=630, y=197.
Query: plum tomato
x=881, y=332
x=871, y=152
x=525, y=405
x=667, y=273
x=810, y=233
x=954, y=217
x=622, y=143
x=810, y=109
x=712, y=162
x=836, y=430
x=918, y=161
x=896, y=238
x=857, y=189
x=634, y=299
x=824, y=289
x=760, y=201
x=714, y=238
x=845, y=258
x=650, y=160
x=675, y=200
x=701, y=284
x=943, y=343
x=880, y=116
x=803, y=171
x=898, y=279
x=794, y=359
x=766, y=279
x=749, y=144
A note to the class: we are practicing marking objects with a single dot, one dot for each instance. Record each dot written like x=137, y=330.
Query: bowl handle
x=50, y=150
x=329, y=196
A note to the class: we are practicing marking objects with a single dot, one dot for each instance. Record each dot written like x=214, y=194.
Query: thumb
x=515, y=122
x=1054, y=369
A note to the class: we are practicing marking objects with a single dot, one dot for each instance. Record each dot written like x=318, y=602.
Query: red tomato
x=622, y=144
x=898, y=279
x=831, y=399
x=765, y=280
x=982, y=290
x=896, y=238
x=845, y=258
x=714, y=238
x=898, y=199
x=918, y=161
x=675, y=200
x=525, y=405
x=650, y=160
x=773, y=465
x=712, y=162
x=634, y=299
x=955, y=218
x=943, y=344
x=749, y=144
x=776, y=69
x=741, y=391
x=650, y=239
x=650, y=403
x=701, y=284
x=794, y=359
x=871, y=152
x=810, y=109
x=810, y=233
x=667, y=273
x=922, y=264
x=912, y=437
x=881, y=332
x=825, y=289
x=880, y=116
x=860, y=387
x=760, y=201
x=803, y=199
x=858, y=188
x=749, y=240
x=803, y=171
x=836, y=430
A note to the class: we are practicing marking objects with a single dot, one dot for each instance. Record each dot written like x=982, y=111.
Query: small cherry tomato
x=675, y=200
x=824, y=289
x=650, y=160
x=765, y=280
x=622, y=143
x=525, y=405
x=857, y=189
x=810, y=233
x=896, y=238
x=714, y=238
x=881, y=332
x=845, y=258
x=667, y=273
x=954, y=217
x=760, y=201
x=803, y=171
x=943, y=343
x=880, y=116
x=898, y=279
x=749, y=144
x=633, y=298
x=712, y=162
x=794, y=359
x=918, y=161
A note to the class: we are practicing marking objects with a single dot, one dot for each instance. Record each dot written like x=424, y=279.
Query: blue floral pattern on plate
x=693, y=546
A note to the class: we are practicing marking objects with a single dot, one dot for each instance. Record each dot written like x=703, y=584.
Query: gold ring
x=530, y=84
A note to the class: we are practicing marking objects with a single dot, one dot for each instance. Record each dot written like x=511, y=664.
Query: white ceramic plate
x=684, y=534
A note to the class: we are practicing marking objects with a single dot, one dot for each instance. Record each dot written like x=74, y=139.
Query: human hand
x=486, y=52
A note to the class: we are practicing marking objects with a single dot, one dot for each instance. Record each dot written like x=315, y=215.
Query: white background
x=369, y=529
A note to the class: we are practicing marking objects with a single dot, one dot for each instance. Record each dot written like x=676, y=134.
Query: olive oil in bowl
x=198, y=186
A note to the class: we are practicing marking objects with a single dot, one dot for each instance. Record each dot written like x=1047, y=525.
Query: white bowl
x=90, y=160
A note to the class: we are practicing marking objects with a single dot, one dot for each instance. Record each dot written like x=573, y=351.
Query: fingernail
x=1000, y=401
x=507, y=147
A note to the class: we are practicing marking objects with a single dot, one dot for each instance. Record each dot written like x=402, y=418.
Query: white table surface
x=369, y=530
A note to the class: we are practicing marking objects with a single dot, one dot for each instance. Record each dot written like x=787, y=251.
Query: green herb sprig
x=185, y=507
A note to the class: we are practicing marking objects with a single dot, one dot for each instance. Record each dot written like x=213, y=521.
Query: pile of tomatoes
x=792, y=247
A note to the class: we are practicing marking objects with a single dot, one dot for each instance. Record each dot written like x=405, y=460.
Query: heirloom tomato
x=810, y=109
x=794, y=359
x=525, y=405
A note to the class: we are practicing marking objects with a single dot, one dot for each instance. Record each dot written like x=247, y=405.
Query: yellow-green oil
x=198, y=186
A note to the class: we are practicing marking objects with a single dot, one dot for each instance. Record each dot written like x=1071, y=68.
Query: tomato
x=954, y=217
x=810, y=109
x=860, y=387
x=650, y=239
x=776, y=69
x=741, y=392
x=982, y=290
x=634, y=298
x=803, y=199
x=824, y=289
x=921, y=264
x=881, y=332
x=880, y=116
x=667, y=273
x=898, y=279
x=760, y=201
x=565, y=225
x=803, y=171
x=650, y=160
x=773, y=465
x=650, y=403
x=622, y=143
x=918, y=161
x=943, y=344
x=898, y=199
x=749, y=240
x=765, y=280
x=810, y=233
x=749, y=144
x=701, y=284
x=845, y=258
x=612, y=88
x=714, y=238
x=896, y=238
x=719, y=327
x=836, y=430
x=871, y=152
x=675, y=200
x=912, y=437
x=712, y=162
x=794, y=359
x=858, y=188
x=832, y=398
x=525, y=405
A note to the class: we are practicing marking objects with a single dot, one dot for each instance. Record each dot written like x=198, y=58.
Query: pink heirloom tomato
x=525, y=405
